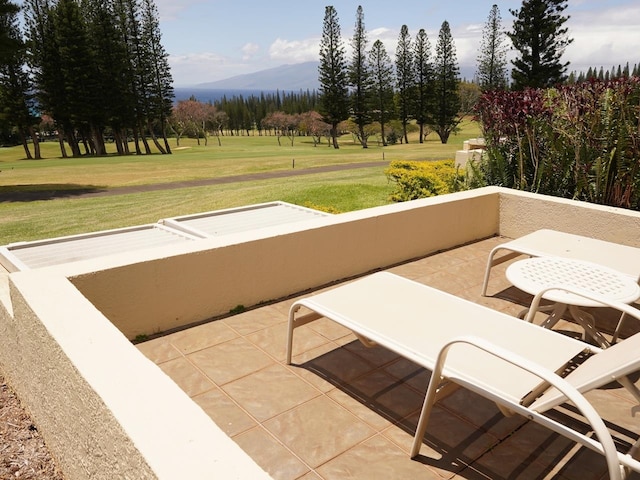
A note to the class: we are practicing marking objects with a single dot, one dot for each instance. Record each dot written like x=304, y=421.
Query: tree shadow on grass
x=46, y=191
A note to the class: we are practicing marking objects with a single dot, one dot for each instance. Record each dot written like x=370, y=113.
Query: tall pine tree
x=540, y=37
x=157, y=75
x=405, y=79
x=360, y=78
x=422, y=105
x=492, y=57
x=446, y=73
x=16, y=97
x=8, y=44
x=333, y=75
x=382, y=74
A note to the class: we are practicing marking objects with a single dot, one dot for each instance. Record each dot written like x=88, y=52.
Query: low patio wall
x=175, y=289
x=108, y=412
x=522, y=213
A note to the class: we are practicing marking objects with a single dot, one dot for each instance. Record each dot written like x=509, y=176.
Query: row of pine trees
x=97, y=68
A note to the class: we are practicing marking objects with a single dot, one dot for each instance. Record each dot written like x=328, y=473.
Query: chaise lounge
x=552, y=243
x=516, y=364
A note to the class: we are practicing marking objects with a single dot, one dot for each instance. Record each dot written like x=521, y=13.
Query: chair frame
x=448, y=367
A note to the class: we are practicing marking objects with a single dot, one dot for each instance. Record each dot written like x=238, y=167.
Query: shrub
x=422, y=179
x=578, y=141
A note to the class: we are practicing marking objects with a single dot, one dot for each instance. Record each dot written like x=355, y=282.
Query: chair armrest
x=622, y=307
x=604, y=446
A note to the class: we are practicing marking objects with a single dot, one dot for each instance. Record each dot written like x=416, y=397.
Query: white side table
x=534, y=275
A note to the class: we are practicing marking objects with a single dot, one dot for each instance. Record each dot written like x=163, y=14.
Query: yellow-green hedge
x=422, y=179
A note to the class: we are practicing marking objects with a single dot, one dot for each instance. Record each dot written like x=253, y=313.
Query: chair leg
x=437, y=389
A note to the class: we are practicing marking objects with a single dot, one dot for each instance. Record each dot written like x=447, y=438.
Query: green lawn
x=342, y=191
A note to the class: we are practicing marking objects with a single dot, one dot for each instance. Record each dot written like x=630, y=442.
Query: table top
x=535, y=274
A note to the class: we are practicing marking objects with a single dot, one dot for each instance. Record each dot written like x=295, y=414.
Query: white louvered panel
x=250, y=219
x=43, y=254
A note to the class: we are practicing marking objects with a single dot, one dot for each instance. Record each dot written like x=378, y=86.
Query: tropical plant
x=578, y=141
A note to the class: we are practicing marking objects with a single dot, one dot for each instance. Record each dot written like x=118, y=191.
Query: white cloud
x=249, y=50
x=295, y=51
x=606, y=37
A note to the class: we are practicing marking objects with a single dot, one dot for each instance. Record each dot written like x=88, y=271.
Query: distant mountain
x=285, y=77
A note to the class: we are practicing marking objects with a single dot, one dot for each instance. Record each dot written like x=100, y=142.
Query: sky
x=209, y=40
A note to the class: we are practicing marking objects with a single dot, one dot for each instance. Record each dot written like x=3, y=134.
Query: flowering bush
x=423, y=179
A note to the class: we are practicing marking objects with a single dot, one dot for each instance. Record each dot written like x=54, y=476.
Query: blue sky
x=210, y=40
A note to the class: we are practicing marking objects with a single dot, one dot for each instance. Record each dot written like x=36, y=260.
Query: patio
x=346, y=411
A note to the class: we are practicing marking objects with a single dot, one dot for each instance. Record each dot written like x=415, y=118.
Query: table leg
x=557, y=310
x=586, y=321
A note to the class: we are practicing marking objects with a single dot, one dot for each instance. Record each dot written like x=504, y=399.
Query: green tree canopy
x=405, y=79
x=382, y=71
x=446, y=73
x=360, y=79
x=492, y=56
x=333, y=75
x=422, y=105
x=540, y=37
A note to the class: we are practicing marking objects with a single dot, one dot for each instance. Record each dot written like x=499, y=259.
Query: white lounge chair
x=512, y=362
x=551, y=243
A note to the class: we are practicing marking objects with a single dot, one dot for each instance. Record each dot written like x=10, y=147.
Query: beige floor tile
x=358, y=406
x=329, y=329
x=449, y=444
x=507, y=461
x=271, y=455
x=230, y=360
x=188, y=377
x=414, y=270
x=311, y=476
x=273, y=340
x=346, y=411
x=444, y=260
x=338, y=365
x=254, y=320
x=202, y=336
x=482, y=413
x=225, y=412
x=377, y=356
x=303, y=366
x=442, y=280
x=385, y=394
x=411, y=374
x=319, y=430
x=159, y=350
x=270, y=392
x=532, y=448
x=376, y=459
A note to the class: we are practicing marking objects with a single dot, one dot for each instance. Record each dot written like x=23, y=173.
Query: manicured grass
x=342, y=191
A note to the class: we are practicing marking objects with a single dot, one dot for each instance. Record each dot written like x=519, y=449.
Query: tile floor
x=343, y=411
